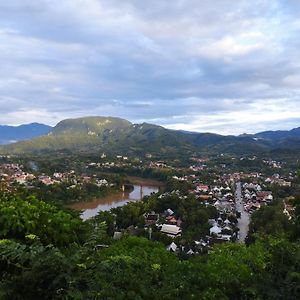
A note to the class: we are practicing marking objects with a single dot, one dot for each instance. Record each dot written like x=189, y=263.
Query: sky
x=220, y=66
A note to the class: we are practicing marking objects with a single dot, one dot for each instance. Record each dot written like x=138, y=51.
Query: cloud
x=227, y=67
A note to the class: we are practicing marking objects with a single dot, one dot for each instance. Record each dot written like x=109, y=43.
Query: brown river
x=92, y=208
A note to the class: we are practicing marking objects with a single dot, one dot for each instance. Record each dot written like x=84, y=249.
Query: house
x=201, y=243
x=169, y=212
x=190, y=252
x=212, y=222
x=204, y=197
x=219, y=239
x=172, y=247
x=21, y=179
x=227, y=230
x=46, y=180
x=102, y=182
x=215, y=230
x=171, y=230
x=226, y=237
x=171, y=220
x=288, y=209
x=57, y=175
x=218, y=204
x=203, y=188
x=151, y=218
x=264, y=196
x=227, y=222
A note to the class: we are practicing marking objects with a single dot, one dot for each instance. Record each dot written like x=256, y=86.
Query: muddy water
x=91, y=208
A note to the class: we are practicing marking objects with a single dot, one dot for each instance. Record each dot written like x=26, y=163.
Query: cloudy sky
x=220, y=66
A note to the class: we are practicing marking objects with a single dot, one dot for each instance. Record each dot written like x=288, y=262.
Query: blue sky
x=220, y=66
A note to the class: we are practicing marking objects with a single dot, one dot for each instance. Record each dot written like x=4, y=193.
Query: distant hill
x=11, y=134
x=279, y=134
x=94, y=134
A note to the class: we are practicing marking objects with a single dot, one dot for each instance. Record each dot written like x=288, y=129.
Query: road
x=244, y=221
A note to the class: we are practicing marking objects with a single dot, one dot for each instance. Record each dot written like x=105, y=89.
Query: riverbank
x=92, y=208
x=114, y=193
x=145, y=181
x=94, y=202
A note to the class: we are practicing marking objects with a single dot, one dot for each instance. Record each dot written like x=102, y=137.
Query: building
x=171, y=230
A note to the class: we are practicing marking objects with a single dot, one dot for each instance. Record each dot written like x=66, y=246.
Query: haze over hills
x=10, y=134
x=279, y=134
x=93, y=134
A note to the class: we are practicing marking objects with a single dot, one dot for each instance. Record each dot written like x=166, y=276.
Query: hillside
x=105, y=133
x=94, y=134
x=10, y=134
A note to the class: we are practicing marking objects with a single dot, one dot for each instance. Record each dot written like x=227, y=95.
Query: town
x=205, y=202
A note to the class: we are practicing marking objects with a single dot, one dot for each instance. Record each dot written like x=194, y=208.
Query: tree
x=21, y=217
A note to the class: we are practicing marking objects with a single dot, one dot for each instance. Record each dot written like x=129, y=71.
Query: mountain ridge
x=93, y=134
x=22, y=132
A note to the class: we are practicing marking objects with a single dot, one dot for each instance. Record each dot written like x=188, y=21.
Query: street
x=243, y=222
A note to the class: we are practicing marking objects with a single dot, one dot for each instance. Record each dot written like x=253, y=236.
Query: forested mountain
x=279, y=134
x=10, y=134
x=93, y=134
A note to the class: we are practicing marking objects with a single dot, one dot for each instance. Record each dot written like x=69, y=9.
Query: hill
x=116, y=135
x=279, y=134
x=10, y=134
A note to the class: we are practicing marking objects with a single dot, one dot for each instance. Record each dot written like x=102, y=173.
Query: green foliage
x=269, y=220
x=98, y=235
x=296, y=220
x=236, y=271
x=135, y=268
x=283, y=268
x=109, y=219
x=62, y=193
x=21, y=217
x=32, y=272
x=130, y=214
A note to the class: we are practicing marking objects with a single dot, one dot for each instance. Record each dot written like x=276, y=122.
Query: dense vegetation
x=47, y=253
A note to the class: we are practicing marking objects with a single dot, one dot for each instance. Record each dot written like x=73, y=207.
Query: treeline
x=65, y=193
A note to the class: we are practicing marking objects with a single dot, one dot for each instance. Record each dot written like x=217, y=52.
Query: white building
x=171, y=230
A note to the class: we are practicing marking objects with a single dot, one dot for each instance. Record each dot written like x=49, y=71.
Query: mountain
x=10, y=134
x=279, y=134
x=115, y=135
x=279, y=139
